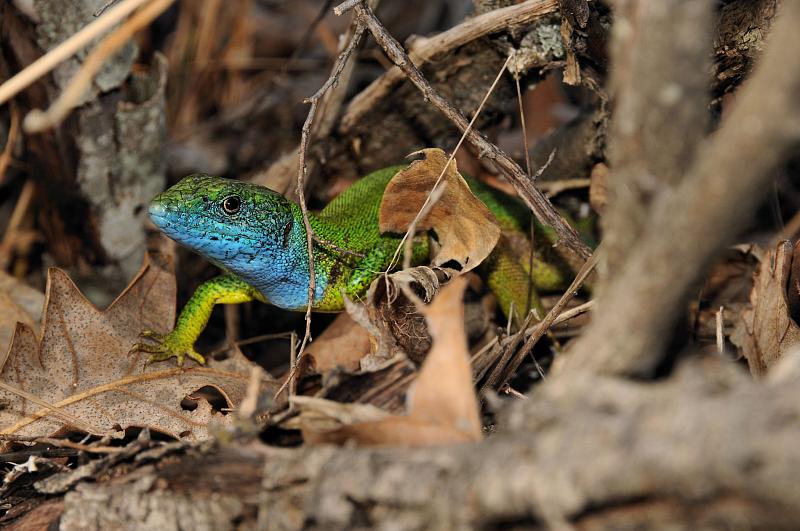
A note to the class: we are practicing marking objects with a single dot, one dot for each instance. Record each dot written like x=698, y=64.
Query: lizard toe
x=196, y=356
x=151, y=334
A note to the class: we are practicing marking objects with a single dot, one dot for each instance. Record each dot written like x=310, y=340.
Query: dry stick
x=574, y=312
x=37, y=120
x=11, y=140
x=528, y=172
x=553, y=188
x=695, y=220
x=423, y=49
x=10, y=238
x=504, y=369
x=66, y=49
x=435, y=194
x=535, y=200
x=314, y=100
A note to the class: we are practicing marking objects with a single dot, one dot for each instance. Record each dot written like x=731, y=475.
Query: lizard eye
x=231, y=204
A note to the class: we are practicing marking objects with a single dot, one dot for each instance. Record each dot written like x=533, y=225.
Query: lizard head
x=235, y=224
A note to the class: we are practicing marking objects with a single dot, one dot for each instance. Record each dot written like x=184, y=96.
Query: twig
x=574, y=312
x=720, y=336
x=553, y=188
x=67, y=49
x=535, y=200
x=505, y=368
x=250, y=341
x=687, y=226
x=423, y=49
x=11, y=140
x=10, y=238
x=341, y=62
x=436, y=191
x=345, y=6
x=37, y=120
x=88, y=448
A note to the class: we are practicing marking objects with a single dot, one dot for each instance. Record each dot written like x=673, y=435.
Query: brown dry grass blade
x=79, y=375
x=466, y=229
x=767, y=331
x=442, y=405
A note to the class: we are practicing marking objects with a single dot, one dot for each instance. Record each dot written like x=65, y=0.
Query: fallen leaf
x=467, y=231
x=442, y=405
x=80, y=374
x=18, y=303
x=319, y=415
x=392, y=320
x=341, y=345
x=766, y=331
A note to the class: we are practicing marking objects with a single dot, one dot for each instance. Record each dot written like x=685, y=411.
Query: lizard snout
x=157, y=213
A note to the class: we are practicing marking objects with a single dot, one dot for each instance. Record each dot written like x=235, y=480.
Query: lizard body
x=258, y=238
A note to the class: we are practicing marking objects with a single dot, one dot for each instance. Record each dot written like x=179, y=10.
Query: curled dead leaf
x=766, y=331
x=467, y=231
x=392, y=320
x=341, y=345
x=442, y=405
x=80, y=375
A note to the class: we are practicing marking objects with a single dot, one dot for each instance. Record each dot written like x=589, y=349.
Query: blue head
x=246, y=229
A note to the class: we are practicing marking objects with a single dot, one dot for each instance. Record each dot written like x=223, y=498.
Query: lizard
x=258, y=238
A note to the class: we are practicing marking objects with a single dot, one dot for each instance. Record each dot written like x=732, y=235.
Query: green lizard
x=258, y=238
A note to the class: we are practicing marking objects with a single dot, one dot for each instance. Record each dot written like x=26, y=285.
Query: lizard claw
x=151, y=334
x=164, y=347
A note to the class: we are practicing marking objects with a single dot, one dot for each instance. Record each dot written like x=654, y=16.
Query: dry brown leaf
x=392, y=321
x=766, y=331
x=319, y=415
x=442, y=405
x=340, y=345
x=18, y=303
x=466, y=229
x=80, y=374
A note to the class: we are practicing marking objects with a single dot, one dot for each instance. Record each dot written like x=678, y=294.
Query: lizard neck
x=279, y=269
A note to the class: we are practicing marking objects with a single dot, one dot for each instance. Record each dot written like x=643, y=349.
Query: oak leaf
x=442, y=406
x=465, y=227
x=80, y=375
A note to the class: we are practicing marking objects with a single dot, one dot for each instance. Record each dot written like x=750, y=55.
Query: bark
x=659, y=86
x=96, y=172
x=739, y=40
x=692, y=222
x=707, y=449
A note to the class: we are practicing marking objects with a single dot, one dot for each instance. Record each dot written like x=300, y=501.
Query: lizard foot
x=164, y=347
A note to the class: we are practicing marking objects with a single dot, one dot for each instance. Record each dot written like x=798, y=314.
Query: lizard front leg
x=225, y=289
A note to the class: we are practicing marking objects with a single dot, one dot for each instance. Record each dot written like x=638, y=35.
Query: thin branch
x=436, y=192
x=11, y=141
x=305, y=138
x=37, y=120
x=510, y=360
x=67, y=49
x=535, y=200
x=423, y=49
x=722, y=188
